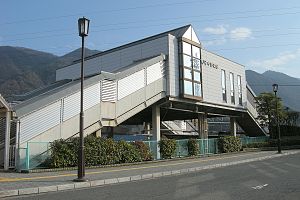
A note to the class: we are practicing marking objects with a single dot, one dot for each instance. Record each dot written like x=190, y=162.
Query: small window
x=197, y=89
x=239, y=83
x=188, y=87
x=197, y=76
x=223, y=82
x=196, y=52
x=187, y=61
x=231, y=79
x=188, y=73
x=187, y=48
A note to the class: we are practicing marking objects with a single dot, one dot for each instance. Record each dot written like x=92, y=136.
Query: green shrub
x=128, y=153
x=193, y=147
x=144, y=150
x=229, y=144
x=167, y=148
x=98, y=151
x=64, y=153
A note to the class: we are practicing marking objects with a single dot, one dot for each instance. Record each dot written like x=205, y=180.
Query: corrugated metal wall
x=154, y=72
x=39, y=121
x=131, y=84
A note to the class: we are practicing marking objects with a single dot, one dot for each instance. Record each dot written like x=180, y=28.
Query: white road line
x=259, y=187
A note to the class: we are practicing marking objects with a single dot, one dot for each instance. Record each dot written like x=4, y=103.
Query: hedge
x=167, y=148
x=98, y=151
x=229, y=144
x=193, y=147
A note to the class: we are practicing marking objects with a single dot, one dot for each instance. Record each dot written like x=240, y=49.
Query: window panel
x=197, y=76
x=198, y=89
x=196, y=64
x=188, y=87
x=196, y=52
x=187, y=61
x=187, y=73
x=186, y=48
x=231, y=79
x=223, y=82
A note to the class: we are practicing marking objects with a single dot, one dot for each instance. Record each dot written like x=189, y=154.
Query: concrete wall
x=211, y=76
x=117, y=59
x=173, y=68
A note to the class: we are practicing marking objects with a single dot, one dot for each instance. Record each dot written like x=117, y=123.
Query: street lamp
x=275, y=89
x=83, y=28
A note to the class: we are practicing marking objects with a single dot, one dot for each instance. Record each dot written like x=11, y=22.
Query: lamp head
x=275, y=87
x=83, y=26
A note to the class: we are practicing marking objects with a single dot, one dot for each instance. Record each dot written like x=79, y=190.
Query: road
x=277, y=178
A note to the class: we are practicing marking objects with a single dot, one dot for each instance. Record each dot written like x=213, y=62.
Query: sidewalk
x=12, y=184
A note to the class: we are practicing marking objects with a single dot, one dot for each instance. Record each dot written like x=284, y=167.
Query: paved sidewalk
x=12, y=184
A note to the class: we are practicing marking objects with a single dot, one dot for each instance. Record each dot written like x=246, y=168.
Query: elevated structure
x=165, y=77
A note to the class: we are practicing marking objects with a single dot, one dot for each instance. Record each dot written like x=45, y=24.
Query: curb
x=111, y=181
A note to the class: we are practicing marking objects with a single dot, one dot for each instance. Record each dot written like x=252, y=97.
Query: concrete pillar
x=147, y=128
x=7, y=141
x=202, y=126
x=205, y=125
x=156, y=127
x=233, y=126
x=98, y=133
x=111, y=132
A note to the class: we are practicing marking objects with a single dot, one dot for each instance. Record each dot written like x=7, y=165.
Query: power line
x=108, y=11
x=255, y=47
x=176, y=18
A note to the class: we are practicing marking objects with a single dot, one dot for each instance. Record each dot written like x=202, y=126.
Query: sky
x=259, y=34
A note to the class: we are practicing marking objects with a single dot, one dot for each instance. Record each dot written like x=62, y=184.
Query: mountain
x=24, y=69
x=288, y=90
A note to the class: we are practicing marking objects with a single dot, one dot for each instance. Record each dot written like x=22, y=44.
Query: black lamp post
x=83, y=27
x=275, y=89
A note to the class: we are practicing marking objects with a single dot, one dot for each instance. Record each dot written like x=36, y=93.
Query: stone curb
x=94, y=183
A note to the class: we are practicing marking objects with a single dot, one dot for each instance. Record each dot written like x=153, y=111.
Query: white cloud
x=276, y=63
x=240, y=33
x=219, y=30
x=223, y=34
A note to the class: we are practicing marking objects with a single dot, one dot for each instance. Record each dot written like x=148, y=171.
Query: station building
x=158, y=81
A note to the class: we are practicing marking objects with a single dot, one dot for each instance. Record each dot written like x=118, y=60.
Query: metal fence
x=250, y=140
x=35, y=153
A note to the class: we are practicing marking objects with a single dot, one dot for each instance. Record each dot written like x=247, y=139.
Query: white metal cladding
x=131, y=84
x=154, y=72
x=71, y=106
x=108, y=90
x=91, y=96
x=39, y=121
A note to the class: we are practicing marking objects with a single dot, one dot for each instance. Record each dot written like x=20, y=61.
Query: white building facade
x=165, y=77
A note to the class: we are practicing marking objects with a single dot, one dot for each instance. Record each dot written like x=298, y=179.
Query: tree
x=266, y=109
x=291, y=117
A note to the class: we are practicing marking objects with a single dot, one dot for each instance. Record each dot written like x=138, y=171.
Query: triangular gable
x=191, y=35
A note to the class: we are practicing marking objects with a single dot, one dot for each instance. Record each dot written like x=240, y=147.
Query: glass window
x=197, y=76
x=223, y=82
x=186, y=48
x=196, y=64
x=231, y=78
x=187, y=61
x=191, y=68
x=239, y=82
x=196, y=52
x=197, y=88
x=187, y=73
x=188, y=87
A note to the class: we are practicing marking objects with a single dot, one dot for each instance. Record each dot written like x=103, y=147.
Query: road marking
x=259, y=187
x=119, y=170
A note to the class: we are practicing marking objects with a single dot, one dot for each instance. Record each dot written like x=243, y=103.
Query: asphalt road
x=272, y=179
